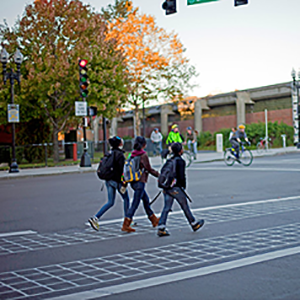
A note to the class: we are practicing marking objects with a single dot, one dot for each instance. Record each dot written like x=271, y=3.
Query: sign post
x=192, y=2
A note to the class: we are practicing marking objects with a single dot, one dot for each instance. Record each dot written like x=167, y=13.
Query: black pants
x=236, y=145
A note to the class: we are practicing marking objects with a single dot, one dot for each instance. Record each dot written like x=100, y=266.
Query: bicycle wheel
x=259, y=147
x=187, y=157
x=246, y=157
x=229, y=157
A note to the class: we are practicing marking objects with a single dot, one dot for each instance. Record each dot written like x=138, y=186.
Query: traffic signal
x=240, y=2
x=92, y=111
x=170, y=7
x=83, y=78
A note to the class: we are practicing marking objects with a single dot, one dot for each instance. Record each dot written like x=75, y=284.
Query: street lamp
x=296, y=86
x=11, y=76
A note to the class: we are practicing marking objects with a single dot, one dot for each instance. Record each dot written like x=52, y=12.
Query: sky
x=232, y=48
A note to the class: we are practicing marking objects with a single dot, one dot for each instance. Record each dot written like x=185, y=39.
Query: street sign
x=191, y=2
x=13, y=115
x=80, y=108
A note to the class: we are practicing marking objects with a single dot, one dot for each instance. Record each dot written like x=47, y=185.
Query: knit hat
x=176, y=148
x=115, y=141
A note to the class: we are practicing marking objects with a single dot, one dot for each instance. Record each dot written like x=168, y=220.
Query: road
x=248, y=249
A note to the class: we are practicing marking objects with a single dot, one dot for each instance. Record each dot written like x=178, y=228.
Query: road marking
x=146, y=283
x=17, y=233
x=211, y=208
x=243, y=169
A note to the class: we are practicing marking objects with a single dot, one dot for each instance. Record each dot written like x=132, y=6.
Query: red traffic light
x=82, y=62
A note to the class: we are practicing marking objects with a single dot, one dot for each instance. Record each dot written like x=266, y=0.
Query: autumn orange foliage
x=150, y=52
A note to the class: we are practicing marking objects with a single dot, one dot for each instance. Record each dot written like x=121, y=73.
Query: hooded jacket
x=144, y=165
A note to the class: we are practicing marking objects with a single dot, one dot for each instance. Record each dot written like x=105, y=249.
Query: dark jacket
x=119, y=161
x=144, y=165
x=180, y=171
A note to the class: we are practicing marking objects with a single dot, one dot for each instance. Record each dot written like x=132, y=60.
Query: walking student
x=139, y=186
x=115, y=183
x=191, y=139
x=177, y=192
x=156, y=139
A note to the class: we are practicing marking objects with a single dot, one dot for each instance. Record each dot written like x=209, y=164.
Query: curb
x=8, y=176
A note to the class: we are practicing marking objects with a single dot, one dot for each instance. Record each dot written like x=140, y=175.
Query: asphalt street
x=248, y=249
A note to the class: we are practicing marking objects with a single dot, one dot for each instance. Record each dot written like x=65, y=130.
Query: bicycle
x=245, y=158
x=262, y=144
x=187, y=156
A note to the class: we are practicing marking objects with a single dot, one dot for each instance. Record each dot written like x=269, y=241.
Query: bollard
x=74, y=152
x=219, y=138
x=283, y=140
x=46, y=155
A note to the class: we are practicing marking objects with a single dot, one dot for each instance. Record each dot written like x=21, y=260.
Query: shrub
x=254, y=131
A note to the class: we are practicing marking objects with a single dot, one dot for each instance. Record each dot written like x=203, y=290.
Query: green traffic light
x=84, y=93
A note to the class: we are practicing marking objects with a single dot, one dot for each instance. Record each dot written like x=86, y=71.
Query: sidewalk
x=202, y=157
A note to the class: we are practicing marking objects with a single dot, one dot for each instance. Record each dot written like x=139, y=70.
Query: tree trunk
x=55, y=145
x=137, y=122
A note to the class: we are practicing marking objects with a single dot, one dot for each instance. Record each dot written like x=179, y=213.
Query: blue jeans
x=189, y=143
x=157, y=147
x=112, y=186
x=170, y=195
x=139, y=193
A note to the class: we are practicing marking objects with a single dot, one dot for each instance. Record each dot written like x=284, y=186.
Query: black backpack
x=105, y=170
x=167, y=176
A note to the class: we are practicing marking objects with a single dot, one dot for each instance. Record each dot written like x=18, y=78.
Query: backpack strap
x=174, y=164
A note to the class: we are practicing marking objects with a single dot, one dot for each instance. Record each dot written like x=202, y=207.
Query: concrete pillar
x=96, y=129
x=165, y=111
x=242, y=99
x=198, y=116
x=113, y=130
x=200, y=105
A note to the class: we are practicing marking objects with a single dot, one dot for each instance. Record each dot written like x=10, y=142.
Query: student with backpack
x=111, y=170
x=138, y=184
x=173, y=182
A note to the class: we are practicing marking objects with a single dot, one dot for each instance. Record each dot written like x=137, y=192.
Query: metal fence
x=41, y=153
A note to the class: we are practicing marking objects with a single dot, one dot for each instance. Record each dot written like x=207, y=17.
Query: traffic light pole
x=85, y=158
x=83, y=84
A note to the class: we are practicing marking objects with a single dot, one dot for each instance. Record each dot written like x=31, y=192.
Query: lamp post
x=11, y=76
x=296, y=85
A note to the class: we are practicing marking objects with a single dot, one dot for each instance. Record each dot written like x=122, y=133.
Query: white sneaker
x=94, y=223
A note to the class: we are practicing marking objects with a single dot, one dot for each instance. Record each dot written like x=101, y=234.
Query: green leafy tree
x=53, y=35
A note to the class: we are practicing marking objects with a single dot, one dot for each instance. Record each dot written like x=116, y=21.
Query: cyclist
x=191, y=139
x=236, y=140
x=174, y=136
x=232, y=132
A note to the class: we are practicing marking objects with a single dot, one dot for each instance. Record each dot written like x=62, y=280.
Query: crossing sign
x=13, y=115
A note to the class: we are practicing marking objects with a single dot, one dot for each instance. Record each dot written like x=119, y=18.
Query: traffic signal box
x=83, y=78
x=240, y=2
x=169, y=6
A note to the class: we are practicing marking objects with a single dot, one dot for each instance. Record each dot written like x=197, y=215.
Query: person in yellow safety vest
x=174, y=136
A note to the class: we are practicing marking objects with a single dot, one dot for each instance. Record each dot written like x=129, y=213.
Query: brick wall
x=213, y=124
x=283, y=115
x=217, y=123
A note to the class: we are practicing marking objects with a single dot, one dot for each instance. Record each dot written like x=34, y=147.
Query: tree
x=53, y=35
x=155, y=59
